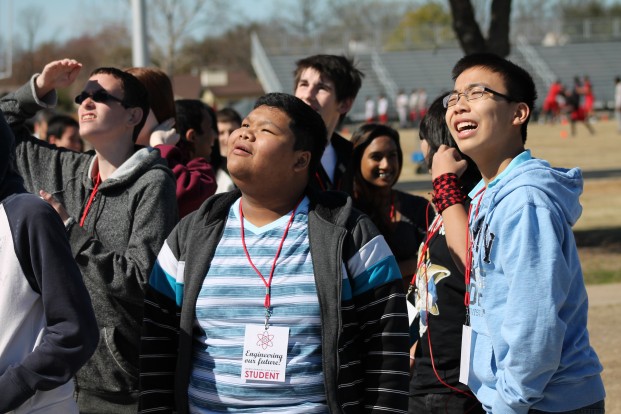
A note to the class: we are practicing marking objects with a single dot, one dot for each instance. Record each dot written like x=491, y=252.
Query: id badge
x=464, y=365
x=265, y=353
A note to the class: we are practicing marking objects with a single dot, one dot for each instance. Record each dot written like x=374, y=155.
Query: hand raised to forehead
x=57, y=74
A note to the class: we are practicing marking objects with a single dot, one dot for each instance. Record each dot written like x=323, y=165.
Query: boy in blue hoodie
x=530, y=350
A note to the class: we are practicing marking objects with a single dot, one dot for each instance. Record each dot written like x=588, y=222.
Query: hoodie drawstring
x=90, y=200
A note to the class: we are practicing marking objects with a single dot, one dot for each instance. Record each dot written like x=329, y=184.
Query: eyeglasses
x=100, y=95
x=472, y=94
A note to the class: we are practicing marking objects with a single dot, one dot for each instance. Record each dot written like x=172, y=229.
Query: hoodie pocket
x=110, y=335
x=483, y=360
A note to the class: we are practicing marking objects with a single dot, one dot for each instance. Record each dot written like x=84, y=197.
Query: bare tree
x=305, y=20
x=366, y=14
x=30, y=20
x=173, y=21
x=469, y=33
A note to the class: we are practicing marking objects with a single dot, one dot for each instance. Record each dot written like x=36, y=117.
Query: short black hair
x=135, y=95
x=229, y=114
x=520, y=85
x=190, y=116
x=57, y=125
x=306, y=124
x=435, y=131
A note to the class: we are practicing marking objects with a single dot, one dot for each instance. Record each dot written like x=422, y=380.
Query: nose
x=246, y=134
x=88, y=102
x=307, y=94
x=384, y=164
x=461, y=104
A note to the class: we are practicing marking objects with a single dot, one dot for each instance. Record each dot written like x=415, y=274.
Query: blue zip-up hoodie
x=528, y=303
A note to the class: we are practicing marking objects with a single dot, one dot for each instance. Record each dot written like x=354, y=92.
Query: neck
x=331, y=129
x=110, y=160
x=260, y=212
x=490, y=169
x=366, y=190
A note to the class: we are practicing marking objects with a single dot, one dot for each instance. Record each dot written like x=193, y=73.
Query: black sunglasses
x=100, y=96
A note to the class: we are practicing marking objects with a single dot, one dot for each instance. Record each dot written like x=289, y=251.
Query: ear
x=521, y=113
x=345, y=105
x=135, y=116
x=302, y=161
x=51, y=139
x=190, y=135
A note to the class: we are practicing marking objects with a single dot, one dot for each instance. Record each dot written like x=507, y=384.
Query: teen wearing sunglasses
x=118, y=204
x=100, y=96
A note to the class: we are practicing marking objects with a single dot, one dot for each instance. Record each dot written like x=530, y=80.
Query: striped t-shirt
x=233, y=295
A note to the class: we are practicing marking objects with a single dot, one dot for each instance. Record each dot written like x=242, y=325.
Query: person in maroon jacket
x=197, y=126
x=187, y=149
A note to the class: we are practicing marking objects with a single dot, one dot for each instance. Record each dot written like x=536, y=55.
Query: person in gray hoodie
x=118, y=204
x=48, y=324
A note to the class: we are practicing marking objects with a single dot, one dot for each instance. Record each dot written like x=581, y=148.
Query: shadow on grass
x=607, y=239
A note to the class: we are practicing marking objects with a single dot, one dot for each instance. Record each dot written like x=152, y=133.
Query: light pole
x=140, y=50
x=7, y=70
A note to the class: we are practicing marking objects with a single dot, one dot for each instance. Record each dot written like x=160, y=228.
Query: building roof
x=240, y=85
x=187, y=86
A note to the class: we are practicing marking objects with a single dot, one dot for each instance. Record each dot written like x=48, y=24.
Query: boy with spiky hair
x=527, y=301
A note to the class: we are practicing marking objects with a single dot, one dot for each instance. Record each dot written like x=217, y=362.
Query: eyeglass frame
x=100, y=96
x=446, y=99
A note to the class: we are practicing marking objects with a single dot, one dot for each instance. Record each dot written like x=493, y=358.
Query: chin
x=381, y=185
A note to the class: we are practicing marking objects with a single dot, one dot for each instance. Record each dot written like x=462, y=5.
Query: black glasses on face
x=472, y=94
x=100, y=95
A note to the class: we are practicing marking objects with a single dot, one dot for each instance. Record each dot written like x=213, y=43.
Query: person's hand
x=164, y=133
x=57, y=74
x=60, y=209
x=447, y=160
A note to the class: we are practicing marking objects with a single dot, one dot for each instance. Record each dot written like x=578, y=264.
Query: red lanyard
x=318, y=177
x=469, y=248
x=392, y=206
x=436, y=224
x=268, y=283
x=90, y=200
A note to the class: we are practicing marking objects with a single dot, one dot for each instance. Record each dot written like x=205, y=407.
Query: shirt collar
x=520, y=159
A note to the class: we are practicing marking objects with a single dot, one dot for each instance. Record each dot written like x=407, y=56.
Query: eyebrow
x=471, y=85
x=322, y=82
x=262, y=122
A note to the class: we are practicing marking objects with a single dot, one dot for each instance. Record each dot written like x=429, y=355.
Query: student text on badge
x=261, y=375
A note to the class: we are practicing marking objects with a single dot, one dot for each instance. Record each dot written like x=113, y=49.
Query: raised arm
x=448, y=161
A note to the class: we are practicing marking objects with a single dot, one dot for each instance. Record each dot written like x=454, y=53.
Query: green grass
x=600, y=277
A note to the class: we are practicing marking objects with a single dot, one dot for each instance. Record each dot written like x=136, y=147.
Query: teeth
x=383, y=175
x=88, y=117
x=463, y=125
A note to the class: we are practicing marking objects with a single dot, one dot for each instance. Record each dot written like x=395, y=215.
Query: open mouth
x=466, y=126
x=242, y=149
x=88, y=117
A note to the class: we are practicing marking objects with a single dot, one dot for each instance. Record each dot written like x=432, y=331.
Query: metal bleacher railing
x=553, y=49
